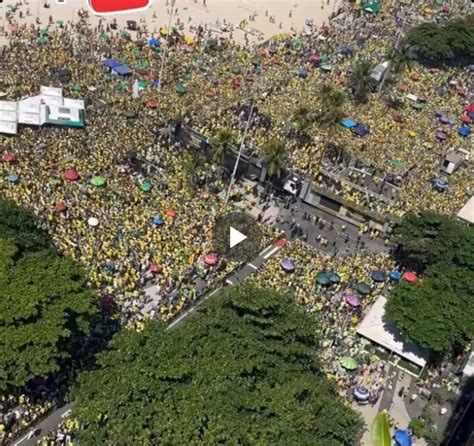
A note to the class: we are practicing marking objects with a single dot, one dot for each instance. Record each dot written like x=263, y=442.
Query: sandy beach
x=264, y=18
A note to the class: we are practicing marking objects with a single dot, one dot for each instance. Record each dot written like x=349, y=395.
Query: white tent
x=377, y=329
x=467, y=211
x=468, y=369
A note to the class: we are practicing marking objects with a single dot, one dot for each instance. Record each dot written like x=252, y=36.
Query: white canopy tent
x=467, y=211
x=377, y=329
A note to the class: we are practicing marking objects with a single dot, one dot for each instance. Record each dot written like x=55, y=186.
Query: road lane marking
x=271, y=252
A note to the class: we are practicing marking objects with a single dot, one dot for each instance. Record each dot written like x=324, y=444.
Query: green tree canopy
x=222, y=143
x=361, y=81
x=441, y=43
x=244, y=370
x=44, y=303
x=438, y=310
x=274, y=157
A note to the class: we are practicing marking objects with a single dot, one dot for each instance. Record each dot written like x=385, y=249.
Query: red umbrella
x=469, y=108
x=410, y=276
x=314, y=58
x=397, y=118
x=59, y=207
x=155, y=268
x=9, y=157
x=211, y=259
x=71, y=174
x=171, y=213
x=210, y=94
x=152, y=105
x=280, y=242
x=465, y=119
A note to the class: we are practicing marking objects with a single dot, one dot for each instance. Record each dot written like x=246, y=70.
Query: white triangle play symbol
x=235, y=237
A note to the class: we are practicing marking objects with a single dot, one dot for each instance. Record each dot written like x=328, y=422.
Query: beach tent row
x=49, y=107
x=354, y=127
x=116, y=67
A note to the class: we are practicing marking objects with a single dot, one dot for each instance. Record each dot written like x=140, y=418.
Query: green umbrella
x=125, y=33
x=181, y=89
x=104, y=36
x=323, y=278
x=417, y=105
x=398, y=163
x=323, y=57
x=372, y=7
x=97, y=181
x=141, y=84
x=59, y=22
x=363, y=288
x=348, y=363
x=122, y=86
x=43, y=31
x=326, y=67
x=77, y=88
x=145, y=186
x=42, y=40
x=298, y=42
x=334, y=278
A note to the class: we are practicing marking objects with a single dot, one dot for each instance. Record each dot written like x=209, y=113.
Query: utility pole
x=387, y=71
x=241, y=148
x=165, y=49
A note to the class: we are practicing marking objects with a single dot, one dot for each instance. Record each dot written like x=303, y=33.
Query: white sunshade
x=8, y=116
x=8, y=106
x=51, y=91
x=380, y=331
x=467, y=211
x=10, y=128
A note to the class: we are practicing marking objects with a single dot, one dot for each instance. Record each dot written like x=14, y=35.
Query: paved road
x=54, y=419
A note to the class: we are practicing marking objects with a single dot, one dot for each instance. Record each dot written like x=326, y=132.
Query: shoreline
x=261, y=19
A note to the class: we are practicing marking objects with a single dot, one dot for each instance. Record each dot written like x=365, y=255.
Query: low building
x=49, y=107
x=452, y=162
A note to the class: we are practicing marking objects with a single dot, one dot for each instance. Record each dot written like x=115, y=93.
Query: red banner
x=112, y=6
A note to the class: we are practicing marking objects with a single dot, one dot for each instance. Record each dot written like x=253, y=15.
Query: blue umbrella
x=439, y=184
x=157, y=221
x=12, y=178
x=464, y=131
x=155, y=83
x=288, y=265
x=395, y=276
x=378, y=276
x=402, y=438
x=334, y=278
x=303, y=73
x=154, y=42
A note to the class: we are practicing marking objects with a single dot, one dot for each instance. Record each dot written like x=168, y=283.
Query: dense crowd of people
x=150, y=221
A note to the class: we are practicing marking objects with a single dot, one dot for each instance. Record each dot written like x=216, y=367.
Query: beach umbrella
x=288, y=265
x=145, y=186
x=323, y=278
x=181, y=89
x=410, y=276
x=373, y=7
x=9, y=158
x=104, y=36
x=152, y=105
x=280, y=243
x=417, y=105
x=298, y=42
x=157, y=221
x=326, y=67
x=394, y=275
x=211, y=259
x=361, y=393
x=155, y=268
x=353, y=300
x=465, y=119
x=93, y=222
x=378, y=276
x=469, y=108
x=439, y=184
x=154, y=42
x=398, y=163
x=303, y=73
x=59, y=22
x=441, y=135
x=334, y=278
x=59, y=207
x=155, y=83
x=42, y=40
x=363, y=288
x=402, y=438
x=43, y=31
x=464, y=131
x=444, y=119
x=314, y=58
x=71, y=175
x=348, y=363
x=171, y=213
x=13, y=178
x=97, y=181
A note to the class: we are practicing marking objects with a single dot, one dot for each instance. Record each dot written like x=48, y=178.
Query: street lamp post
x=165, y=49
x=239, y=155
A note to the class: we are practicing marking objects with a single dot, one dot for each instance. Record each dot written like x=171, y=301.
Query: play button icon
x=235, y=237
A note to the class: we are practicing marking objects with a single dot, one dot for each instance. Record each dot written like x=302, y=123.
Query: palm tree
x=361, y=81
x=303, y=118
x=222, y=143
x=274, y=157
x=401, y=58
x=332, y=101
